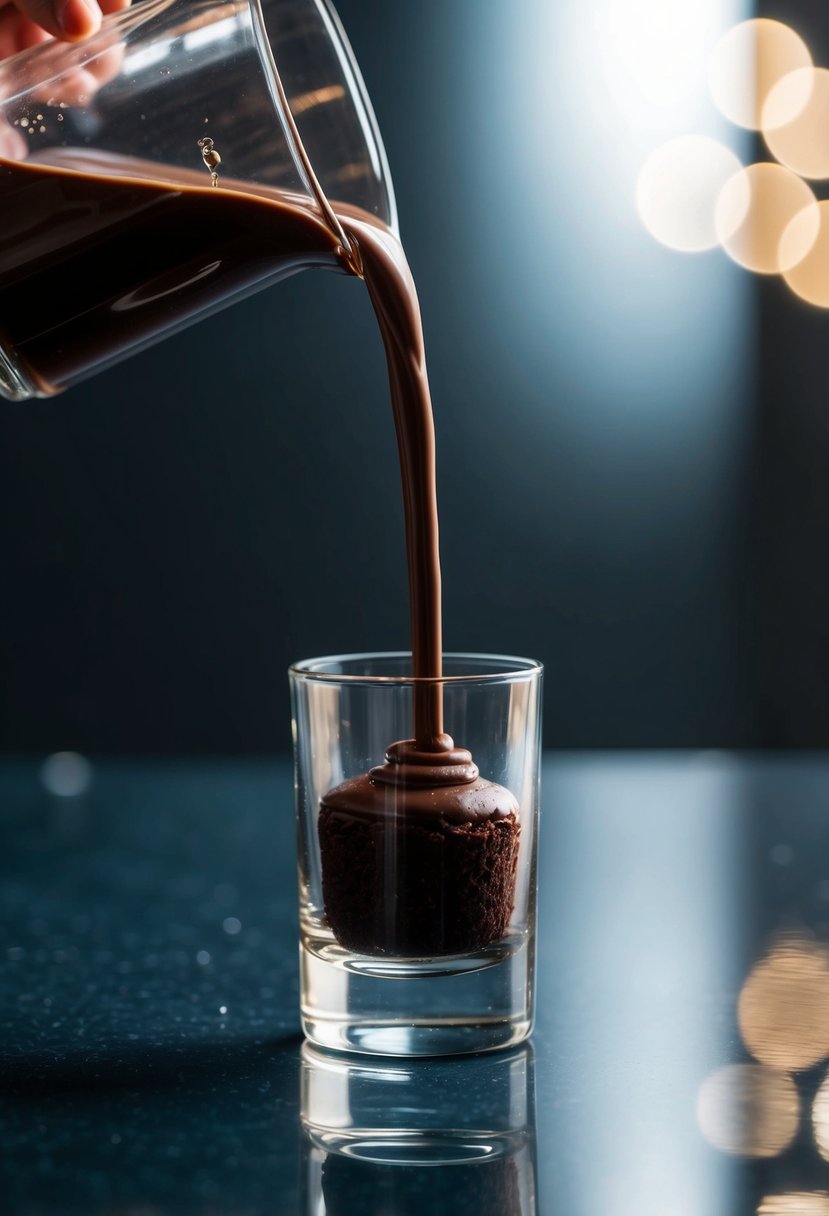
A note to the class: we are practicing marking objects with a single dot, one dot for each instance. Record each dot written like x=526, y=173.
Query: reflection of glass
x=183, y=94
x=405, y=1138
x=417, y=897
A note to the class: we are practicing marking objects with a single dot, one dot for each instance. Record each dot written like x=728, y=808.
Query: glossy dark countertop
x=150, y=1050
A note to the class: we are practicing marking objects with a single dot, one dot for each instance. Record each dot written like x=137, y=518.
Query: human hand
x=24, y=23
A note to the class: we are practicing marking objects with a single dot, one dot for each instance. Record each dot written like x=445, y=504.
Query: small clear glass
x=414, y=1136
x=170, y=108
x=458, y=890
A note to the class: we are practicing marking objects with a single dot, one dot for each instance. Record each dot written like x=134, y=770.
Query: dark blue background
x=632, y=446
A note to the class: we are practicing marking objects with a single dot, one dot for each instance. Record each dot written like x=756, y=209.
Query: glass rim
x=514, y=668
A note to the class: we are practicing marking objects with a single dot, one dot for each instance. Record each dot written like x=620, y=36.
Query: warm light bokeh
x=809, y=279
x=820, y=1119
x=801, y=141
x=678, y=189
x=783, y=1010
x=694, y=194
x=748, y=1110
x=795, y=1203
x=748, y=62
x=753, y=235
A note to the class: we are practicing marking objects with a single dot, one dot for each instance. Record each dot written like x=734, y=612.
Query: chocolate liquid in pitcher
x=96, y=258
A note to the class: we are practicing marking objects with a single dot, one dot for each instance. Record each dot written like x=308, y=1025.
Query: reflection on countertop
x=408, y=1136
x=150, y=1055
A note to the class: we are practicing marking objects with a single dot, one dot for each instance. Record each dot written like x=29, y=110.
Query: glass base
x=422, y=1007
x=410, y=1146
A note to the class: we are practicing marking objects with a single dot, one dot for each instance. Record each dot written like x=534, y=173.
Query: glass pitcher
x=187, y=155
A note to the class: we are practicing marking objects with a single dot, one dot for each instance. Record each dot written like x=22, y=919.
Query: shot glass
x=417, y=899
x=415, y=1136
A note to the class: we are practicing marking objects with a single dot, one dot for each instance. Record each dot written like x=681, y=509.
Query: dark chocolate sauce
x=407, y=766
x=474, y=803
x=97, y=258
x=392, y=290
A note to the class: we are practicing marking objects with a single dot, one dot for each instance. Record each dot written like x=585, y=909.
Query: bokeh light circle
x=753, y=235
x=66, y=774
x=809, y=279
x=801, y=142
x=795, y=1203
x=748, y=1110
x=678, y=188
x=783, y=1010
x=820, y=1119
x=747, y=63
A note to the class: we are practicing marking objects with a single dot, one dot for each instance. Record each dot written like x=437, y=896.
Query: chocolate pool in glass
x=179, y=160
x=417, y=898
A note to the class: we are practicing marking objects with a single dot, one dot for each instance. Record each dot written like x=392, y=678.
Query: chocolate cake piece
x=418, y=871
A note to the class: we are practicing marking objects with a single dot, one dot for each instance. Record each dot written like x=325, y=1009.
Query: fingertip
x=78, y=19
x=12, y=144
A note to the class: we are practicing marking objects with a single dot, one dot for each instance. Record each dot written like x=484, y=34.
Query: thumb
x=72, y=20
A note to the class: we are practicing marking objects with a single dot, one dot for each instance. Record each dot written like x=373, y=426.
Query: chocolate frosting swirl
x=473, y=803
x=410, y=766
